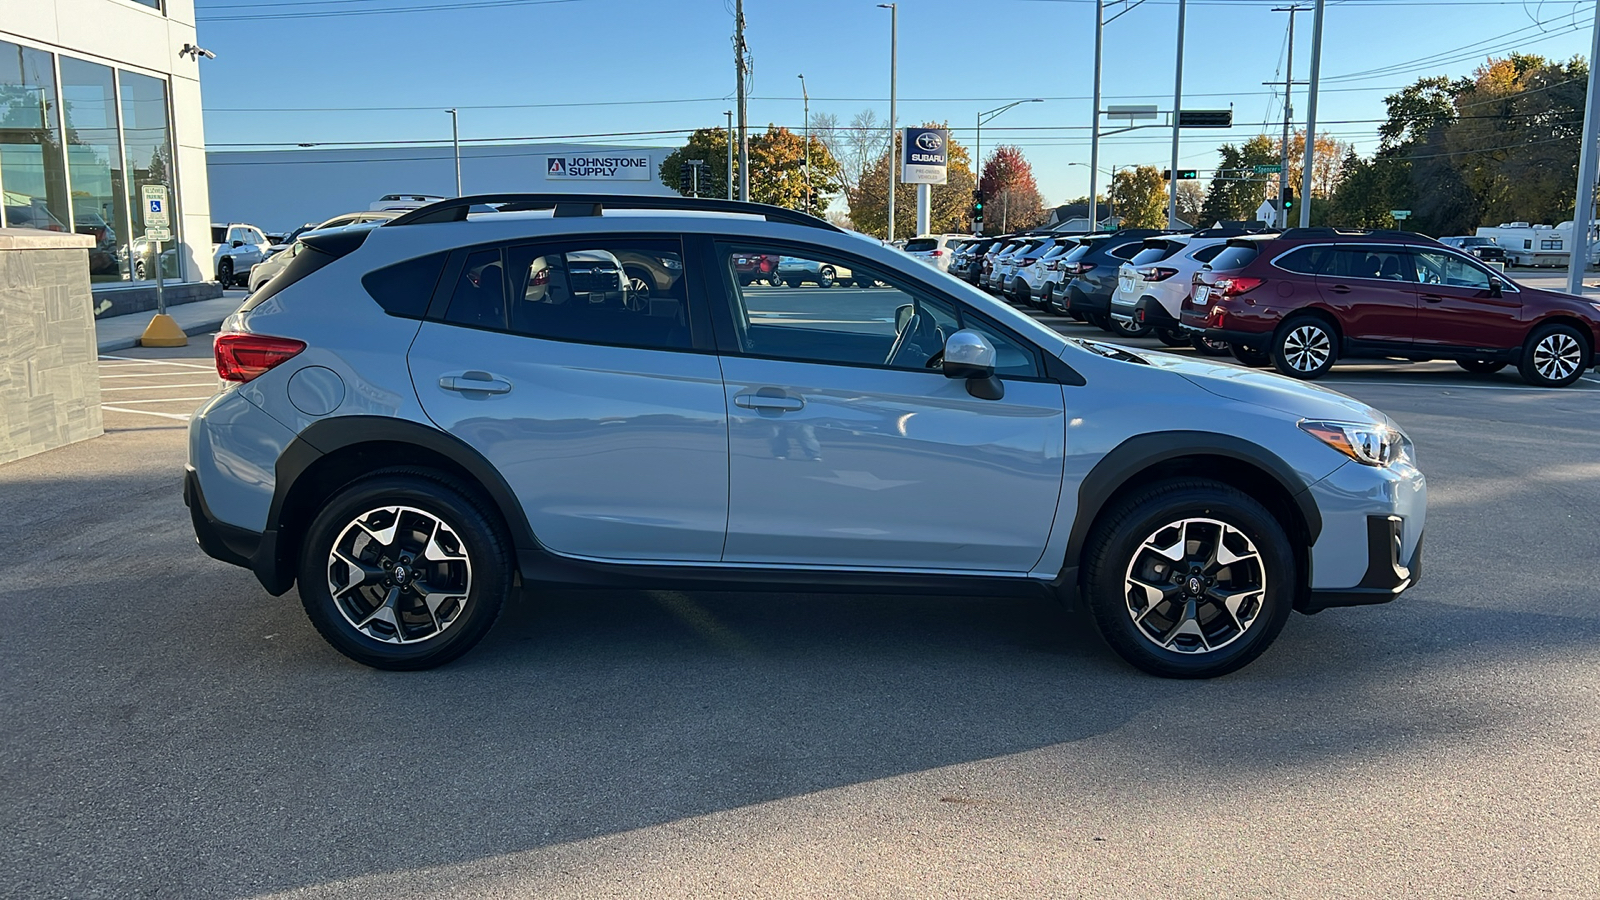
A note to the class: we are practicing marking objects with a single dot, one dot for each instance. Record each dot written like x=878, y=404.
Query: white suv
x=236, y=248
x=935, y=249
x=1152, y=286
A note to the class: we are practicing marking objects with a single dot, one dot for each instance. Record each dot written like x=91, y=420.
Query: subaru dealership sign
x=925, y=158
x=628, y=167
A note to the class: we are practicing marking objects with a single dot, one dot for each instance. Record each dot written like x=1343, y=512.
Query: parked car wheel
x=404, y=569
x=1098, y=320
x=1047, y=298
x=1555, y=355
x=1128, y=330
x=1255, y=359
x=1190, y=578
x=138, y=270
x=1171, y=338
x=825, y=277
x=1480, y=366
x=1305, y=347
x=225, y=271
x=1208, y=347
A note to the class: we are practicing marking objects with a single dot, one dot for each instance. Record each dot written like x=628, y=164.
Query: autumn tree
x=1139, y=197
x=950, y=208
x=777, y=168
x=1191, y=198
x=1012, y=200
x=1236, y=191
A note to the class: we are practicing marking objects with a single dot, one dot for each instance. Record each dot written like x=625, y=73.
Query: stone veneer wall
x=49, y=376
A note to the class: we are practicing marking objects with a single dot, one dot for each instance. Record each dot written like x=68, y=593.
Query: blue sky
x=547, y=68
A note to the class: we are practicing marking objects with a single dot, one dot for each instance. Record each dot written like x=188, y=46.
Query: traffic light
x=1288, y=198
x=977, y=210
x=1183, y=174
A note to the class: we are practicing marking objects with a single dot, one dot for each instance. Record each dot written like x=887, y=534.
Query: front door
x=1458, y=309
x=849, y=447
x=1373, y=290
x=588, y=396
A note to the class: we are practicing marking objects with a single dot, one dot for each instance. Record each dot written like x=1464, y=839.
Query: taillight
x=937, y=253
x=242, y=357
x=543, y=277
x=1235, y=285
x=1157, y=273
x=1081, y=268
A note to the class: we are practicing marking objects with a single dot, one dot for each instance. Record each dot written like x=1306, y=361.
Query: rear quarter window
x=1235, y=256
x=1306, y=260
x=405, y=288
x=1155, y=254
x=1126, y=251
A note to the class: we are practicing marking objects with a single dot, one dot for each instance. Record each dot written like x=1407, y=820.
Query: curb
x=113, y=344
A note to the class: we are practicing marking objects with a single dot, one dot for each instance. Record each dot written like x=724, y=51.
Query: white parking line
x=168, y=400
x=158, y=362
x=154, y=387
x=146, y=412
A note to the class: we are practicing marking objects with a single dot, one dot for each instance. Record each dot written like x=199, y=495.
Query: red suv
x=1312, y=296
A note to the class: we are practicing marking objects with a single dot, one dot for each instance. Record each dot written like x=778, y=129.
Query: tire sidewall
x=1110, y=554
x=487, y=553
x=1280, y=360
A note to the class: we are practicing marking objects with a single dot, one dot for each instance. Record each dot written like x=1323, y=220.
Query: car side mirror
x=902, y=317
x=238, y=244
x=1496, y=287
x=969, y=355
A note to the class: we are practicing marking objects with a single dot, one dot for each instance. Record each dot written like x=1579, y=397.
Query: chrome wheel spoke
x=384, y=536
x=1187, y=625
x=387, y=614
x=361, y=573
x=1557, y=356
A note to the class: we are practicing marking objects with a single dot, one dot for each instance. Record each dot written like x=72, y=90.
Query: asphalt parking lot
x=174, y=731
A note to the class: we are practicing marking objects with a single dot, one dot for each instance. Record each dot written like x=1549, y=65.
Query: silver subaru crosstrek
x=484, y=394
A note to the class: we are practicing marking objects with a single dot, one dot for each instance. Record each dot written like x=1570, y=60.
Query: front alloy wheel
x=1304, y=349
x=1195, y=585
x=1555, y=357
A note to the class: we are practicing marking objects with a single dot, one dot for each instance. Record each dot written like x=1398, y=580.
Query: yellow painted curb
x=163, y=331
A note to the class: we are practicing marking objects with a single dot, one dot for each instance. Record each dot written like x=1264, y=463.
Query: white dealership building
x=98, y=100
x=280, y=190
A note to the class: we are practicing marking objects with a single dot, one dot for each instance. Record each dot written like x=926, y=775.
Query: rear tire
x=1305, y=347
x=825, y=277
x=1480, y=366
x=1171, y=338
x=1555, y=355
x=396, y=547
x=1098, y=320
x=1255, y=359
x=1189, y=616
x=1136, y=330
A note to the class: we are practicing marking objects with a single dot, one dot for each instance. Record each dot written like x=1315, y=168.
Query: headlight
x=1370, y=445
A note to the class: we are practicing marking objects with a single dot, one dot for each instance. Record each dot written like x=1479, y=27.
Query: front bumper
x=1369, y=549
x=1386, y=577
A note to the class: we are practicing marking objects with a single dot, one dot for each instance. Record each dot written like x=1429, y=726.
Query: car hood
x=1286, y=395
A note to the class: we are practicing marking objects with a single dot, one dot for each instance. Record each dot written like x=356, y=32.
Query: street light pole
x=739, y=56
x=455, y=138
x=894, y=158
x=806, y=99
x=1583, y=206
x=1311, y=116
x=1094, y=127
x=729, y=114
x=1177, y=116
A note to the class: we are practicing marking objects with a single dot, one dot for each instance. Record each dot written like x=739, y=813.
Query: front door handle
x=1339, y=289
x=768, y=398
x=1433, y=298
x=475, y=383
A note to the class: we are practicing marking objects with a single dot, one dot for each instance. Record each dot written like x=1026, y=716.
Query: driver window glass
x=627, y=293
x=856, y=319
x=1449, y=270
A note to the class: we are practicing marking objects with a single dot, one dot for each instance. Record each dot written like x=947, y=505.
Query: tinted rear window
x=405, y=288
x=1236, y=256
x=308, y=260
x=1154, y=253
x=1126, y=251
x=921, y=244
x=1079, y=252
x=1306, y=260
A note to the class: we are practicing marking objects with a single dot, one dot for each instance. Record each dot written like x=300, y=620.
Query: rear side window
x=1076, y=254
x=1379, y=263
x=1207, y=254
x=1126, y=251
x=920, y=245
x=1154, y=253
x=405, y=288
x=1235, y=256
x=628, y=293
x=1306, y=260
x=218, y=234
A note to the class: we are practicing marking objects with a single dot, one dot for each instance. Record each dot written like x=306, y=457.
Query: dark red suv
x=1305, y=299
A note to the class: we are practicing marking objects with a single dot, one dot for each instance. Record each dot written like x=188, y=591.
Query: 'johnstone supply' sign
x=925, y=159
x=600, y=168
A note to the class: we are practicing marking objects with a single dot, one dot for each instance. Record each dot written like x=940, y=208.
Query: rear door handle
x=1433, y=298
x=475, y=383
x=1339, y=289
x=768, y=398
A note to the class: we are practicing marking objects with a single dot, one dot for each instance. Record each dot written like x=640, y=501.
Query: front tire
x=1555, y=355
x=1304, y=348
x=1189, y=578
x=405, y=569
x=1480, y=366
x=825, y=277
x=225, y=272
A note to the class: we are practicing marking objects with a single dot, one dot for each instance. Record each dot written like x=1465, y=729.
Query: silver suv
x=421, y=415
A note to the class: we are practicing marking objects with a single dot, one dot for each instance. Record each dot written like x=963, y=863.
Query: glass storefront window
x=33, y=176
x=94, y=164
x=153, y=4
x=147, y=139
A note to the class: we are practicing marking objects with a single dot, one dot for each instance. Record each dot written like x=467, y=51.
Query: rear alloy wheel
x=638, y=296
x=1255, y=359
x=1128, y=330
x=1171, y=337
x=1554, y=356
x=404, y=570
x=1304, y=348
x=1209, y=347
x=1480, y=366
x=825, y=277
x=1189, y=579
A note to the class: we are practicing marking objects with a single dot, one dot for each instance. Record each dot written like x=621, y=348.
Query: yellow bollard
x=163, y=331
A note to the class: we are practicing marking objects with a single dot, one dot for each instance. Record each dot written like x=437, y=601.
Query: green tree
x=1139, y=196
x=709, y=145
x=1236, y=191
x=950, y=203
x=777, y=168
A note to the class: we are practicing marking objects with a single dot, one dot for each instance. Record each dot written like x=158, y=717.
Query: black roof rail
x=1335, y=232
x=456, y=208
x=1228, y=231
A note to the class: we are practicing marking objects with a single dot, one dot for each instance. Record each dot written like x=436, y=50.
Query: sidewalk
x=122, y=332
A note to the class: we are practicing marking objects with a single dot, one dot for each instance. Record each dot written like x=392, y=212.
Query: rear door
x=1458, y=308
x=602, y=407
x=1372, y=290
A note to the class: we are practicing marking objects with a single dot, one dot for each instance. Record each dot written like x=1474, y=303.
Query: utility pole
x=1311, y=116
x=894, y=130
x=1094, y=128
x=455, y=138
x=806, y=99
x=740, y=52
x=1177, y=115
x=1583, y=206
x=1288, y=115
x=729, y=114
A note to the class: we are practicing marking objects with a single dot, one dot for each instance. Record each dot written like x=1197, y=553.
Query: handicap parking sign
x=155, y=206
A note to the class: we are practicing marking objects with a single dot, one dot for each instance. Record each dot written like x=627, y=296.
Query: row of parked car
x=1298, y=300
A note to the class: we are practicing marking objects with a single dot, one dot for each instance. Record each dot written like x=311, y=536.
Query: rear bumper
x=231, y=544
x=1386, y=577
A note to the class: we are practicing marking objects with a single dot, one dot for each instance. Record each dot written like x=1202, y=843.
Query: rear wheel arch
x=1148, y=459
x=333, y=453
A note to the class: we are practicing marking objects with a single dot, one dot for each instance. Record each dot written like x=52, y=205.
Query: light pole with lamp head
x=978, y=141
x=455, y=139
x=806, y=99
